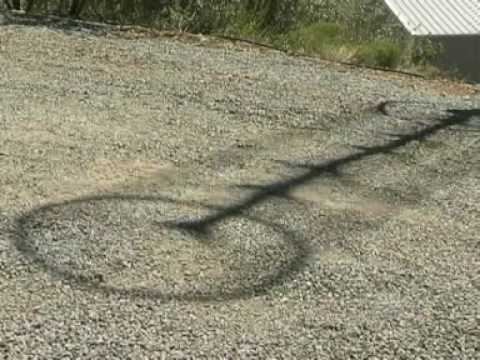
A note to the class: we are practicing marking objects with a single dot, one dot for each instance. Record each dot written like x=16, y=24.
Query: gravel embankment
x=163, y=199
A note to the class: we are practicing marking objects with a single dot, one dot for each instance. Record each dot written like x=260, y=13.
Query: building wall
x=461, y=55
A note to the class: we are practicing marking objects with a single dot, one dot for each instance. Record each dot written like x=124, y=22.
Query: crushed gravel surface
x=187, y=198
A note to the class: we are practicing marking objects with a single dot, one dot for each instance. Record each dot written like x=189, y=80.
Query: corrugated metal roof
x=438, y=17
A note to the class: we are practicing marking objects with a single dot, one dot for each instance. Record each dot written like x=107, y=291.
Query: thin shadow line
x=282, y=187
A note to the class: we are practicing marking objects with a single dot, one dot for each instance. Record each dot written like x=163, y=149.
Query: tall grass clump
x=382, y=53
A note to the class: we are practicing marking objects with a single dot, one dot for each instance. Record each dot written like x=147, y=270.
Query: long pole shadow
x=283, y=187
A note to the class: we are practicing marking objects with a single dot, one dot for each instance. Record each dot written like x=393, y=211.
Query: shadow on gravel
x=39, y=219
x=329, y=168
x=202, y=227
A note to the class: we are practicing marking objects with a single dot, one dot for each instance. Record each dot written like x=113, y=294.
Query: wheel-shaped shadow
x=240, y=254
x=138, y=246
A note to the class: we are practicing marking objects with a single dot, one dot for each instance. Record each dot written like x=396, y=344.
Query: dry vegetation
x=359, y=31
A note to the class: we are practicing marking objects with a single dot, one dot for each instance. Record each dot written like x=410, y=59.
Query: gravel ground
x=191, y=199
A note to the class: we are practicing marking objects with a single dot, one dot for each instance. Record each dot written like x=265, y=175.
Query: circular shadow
x=139, y=246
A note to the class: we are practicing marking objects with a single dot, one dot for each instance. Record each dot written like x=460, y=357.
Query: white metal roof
x=438, y=17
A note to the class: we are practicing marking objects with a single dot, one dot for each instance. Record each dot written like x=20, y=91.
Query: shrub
x=315, y=38
x=382, y=53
